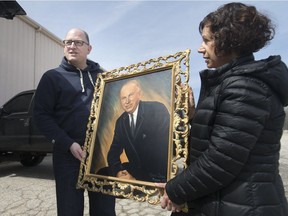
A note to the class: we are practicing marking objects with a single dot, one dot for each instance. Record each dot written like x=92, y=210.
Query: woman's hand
x=191, y=103
x=166, y=203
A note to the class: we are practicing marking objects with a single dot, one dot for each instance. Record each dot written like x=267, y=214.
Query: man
x=62, y=107
x=143, y=132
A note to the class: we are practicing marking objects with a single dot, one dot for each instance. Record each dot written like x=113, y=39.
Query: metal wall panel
x=48, y=54
x=27, y=51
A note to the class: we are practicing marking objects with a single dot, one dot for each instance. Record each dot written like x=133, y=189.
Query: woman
x=237, y=126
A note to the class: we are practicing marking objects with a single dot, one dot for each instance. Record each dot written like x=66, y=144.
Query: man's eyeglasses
x=76, y=42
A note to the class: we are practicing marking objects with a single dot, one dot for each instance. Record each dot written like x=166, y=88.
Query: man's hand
x=77, y=151
x=124, y=174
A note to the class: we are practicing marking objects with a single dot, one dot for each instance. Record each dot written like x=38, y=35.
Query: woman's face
x=207, y=48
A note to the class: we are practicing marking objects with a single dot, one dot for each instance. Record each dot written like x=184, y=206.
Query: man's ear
x=89, y=49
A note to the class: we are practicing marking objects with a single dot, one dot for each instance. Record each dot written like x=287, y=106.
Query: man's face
x=76, y=54
x=130, y=97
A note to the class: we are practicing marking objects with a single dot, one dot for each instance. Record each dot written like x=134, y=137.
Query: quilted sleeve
x=242, y=109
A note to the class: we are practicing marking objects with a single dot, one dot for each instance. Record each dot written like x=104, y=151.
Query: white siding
x=27, y=50
x=48, y=54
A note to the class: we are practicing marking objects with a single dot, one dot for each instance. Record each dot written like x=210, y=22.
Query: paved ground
x=31, y=192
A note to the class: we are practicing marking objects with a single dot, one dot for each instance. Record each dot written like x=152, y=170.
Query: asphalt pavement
x=30, y=191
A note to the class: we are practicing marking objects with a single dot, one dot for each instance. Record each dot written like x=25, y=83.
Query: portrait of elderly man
x=142, y=131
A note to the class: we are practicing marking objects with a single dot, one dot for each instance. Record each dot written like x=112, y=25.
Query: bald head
x=79, y=32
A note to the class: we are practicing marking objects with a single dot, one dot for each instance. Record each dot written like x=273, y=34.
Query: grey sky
x=127, y=32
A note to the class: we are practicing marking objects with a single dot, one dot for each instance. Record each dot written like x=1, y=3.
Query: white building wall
x=27, y=50
x=48, y=54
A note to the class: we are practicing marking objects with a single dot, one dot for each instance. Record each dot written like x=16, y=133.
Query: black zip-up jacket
x=235, y=142
x=62, y=103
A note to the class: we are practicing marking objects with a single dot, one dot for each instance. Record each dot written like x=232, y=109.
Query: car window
x=20, y=103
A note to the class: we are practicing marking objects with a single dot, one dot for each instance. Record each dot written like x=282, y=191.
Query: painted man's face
x=130, y=97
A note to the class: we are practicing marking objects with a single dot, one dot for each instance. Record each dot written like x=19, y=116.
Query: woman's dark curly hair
x=238, y=28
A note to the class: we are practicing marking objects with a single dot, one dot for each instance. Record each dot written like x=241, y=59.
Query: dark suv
x=20, y=139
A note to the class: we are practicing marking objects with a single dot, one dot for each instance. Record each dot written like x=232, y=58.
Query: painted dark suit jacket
x=147, y=152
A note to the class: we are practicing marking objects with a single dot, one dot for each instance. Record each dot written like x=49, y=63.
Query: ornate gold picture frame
x=127, y=164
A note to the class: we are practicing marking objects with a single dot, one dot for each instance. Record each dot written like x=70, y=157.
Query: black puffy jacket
x=235, y=142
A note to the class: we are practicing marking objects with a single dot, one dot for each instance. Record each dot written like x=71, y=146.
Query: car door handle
x=26, y=122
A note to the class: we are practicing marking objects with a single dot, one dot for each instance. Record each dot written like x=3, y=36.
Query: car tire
x=30, y=160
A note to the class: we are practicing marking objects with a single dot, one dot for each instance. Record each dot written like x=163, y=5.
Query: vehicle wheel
x=30, y=160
